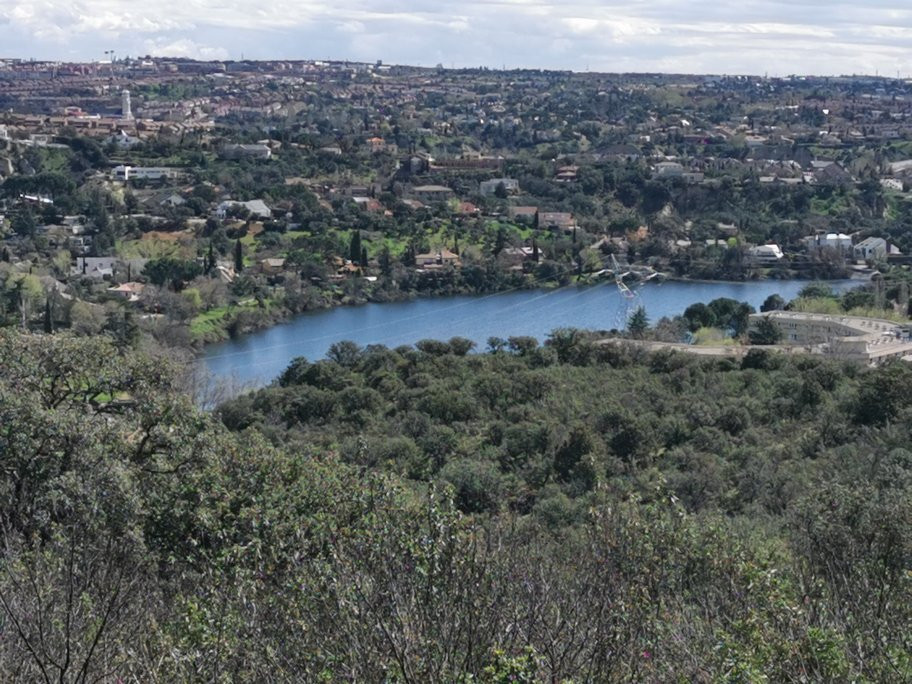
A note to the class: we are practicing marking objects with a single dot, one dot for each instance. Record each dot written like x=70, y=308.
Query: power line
x=435, y=312
x=381, y=340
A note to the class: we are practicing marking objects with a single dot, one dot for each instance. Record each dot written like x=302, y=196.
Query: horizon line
x=439, y=67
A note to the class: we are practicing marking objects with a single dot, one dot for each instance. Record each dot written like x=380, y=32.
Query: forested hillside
x=565, y=512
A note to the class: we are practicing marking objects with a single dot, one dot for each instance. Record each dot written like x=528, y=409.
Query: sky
x=775, y=37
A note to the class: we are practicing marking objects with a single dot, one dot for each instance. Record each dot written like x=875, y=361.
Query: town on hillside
x=207, y=198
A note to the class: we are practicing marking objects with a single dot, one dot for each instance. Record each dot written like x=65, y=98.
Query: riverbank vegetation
x=567, y=511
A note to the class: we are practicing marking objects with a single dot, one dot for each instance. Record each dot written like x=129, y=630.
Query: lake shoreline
x=534, y=312
x=265, y=320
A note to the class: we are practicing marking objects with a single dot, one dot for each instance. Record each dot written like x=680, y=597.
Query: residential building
x=765, y=254
x=246, y=152
x=668, y=170
x=523, y=214
x=871, y=249
x=556, y=220
x=97, y=268
x=150, y=173
x=430, y=194
x=257, y=208
x=272, y=266
x=833, y=174
x=489, y=187
x=122, y=141
x=439, y=259
x=514, y=257
x=839, y=242
x=567, y=174
x=129, y=291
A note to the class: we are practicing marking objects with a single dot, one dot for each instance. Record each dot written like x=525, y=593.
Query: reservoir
x=257, y=358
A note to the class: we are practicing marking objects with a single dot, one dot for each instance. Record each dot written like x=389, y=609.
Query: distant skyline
x=820, y=37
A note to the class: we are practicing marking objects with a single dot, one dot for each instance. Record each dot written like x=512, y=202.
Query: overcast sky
x=778, y=37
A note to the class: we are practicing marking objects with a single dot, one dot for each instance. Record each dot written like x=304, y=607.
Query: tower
x=125, y=111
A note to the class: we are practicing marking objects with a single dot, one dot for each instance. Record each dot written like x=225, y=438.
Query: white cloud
x=775, y=36
x=184, y=48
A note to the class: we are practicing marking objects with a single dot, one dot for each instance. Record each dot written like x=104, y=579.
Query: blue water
x=257, y=358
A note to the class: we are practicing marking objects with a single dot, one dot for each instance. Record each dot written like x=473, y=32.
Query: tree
x=385, y=261
x=346, y=353
x=362, y=259
x=131, y=204
x=238, y=256
x=730, y=315
x=210, y=259
x=773, y=303
x=522, y=345
x=121, y=326
x=883, y=394
x=170, y=271
x=535, y=250
x=500, y=240
x=24, y=224
x=765, y=331
x=638, y=323
x=25, y=293
x=699, y=316
x=461, y=346
x=354, y=248
x=816, y=290
x=496, y=344
x=86, y=319
x=48, y=317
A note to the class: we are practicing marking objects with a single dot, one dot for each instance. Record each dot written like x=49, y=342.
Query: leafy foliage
x=428, y=515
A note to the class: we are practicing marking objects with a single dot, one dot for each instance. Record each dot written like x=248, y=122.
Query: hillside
x=557, y=513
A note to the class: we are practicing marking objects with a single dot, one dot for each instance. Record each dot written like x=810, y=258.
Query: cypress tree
x=363, y=260
x=238, y=256
x=534, y=250
x=500, y=241
x=48, y=318
x=354, y=249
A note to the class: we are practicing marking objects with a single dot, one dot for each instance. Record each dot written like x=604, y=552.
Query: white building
x=126, y=111
x=122, y=140
x=668, y=170
x=765, y=254
x=126, y=173
x=839, y=242
x=867, y=340
x=257, y=208
x=871, y=248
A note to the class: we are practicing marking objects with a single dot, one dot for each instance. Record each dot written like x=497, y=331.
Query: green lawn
x=213, y=321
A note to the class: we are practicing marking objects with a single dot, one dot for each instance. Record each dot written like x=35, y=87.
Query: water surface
x=257, y=358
